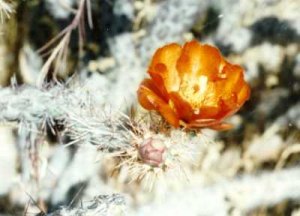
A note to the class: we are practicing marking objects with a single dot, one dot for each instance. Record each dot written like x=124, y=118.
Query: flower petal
x=221, y=126
x=151, y=101
x=146, y=85
x=232, y=82
x=208, y=112
x=197, y=59
x=183, y=108
x=158, y=80
x=163, y=65
x=199, y=123
x=244, y=93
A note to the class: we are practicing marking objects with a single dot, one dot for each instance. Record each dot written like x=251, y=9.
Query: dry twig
x=59, y=53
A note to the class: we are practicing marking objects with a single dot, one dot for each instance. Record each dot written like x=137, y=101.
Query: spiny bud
x=151, y=151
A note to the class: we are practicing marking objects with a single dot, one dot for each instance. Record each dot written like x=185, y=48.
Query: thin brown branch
x=58, y=55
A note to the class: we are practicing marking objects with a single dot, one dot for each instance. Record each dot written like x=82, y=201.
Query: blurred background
x=105, y=47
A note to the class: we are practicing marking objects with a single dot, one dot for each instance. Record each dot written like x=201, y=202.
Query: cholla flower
x=193, y=86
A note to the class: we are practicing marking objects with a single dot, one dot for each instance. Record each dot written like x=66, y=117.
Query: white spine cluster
x=236, y=197
x=103, y=205
x=33, y=107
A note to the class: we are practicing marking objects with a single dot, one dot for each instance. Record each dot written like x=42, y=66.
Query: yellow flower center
x=192, y=90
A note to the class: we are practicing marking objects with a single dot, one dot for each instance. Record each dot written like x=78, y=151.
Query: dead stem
x=59, y=53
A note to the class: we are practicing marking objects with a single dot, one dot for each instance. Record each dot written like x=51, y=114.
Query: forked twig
x=58, y=54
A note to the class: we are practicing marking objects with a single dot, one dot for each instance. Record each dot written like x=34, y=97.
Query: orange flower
x=193, y=86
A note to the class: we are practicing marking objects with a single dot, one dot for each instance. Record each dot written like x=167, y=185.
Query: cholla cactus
x=157, y=152
x=132, y=140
